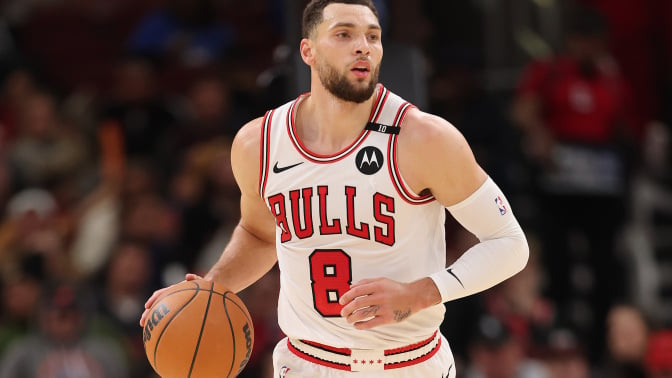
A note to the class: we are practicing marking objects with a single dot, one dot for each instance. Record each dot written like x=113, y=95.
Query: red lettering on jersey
x=307, y=230
x=325, y=227
x=351, y=229
x=331, y=276
x=302, y=225
x=380, y=200
x=277, y=204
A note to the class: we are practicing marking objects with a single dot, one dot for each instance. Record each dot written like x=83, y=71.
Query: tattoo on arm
x=401, y=315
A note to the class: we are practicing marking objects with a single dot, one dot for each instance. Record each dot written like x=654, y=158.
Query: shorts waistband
x=365, y=359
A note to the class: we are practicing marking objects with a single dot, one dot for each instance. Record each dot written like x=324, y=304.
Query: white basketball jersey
x=345, y=217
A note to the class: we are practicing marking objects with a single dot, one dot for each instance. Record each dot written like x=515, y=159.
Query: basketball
x=198, y=329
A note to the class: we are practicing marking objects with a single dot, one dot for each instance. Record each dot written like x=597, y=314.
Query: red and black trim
x=383, y=94
x=327, y=348
x=397, y=180
x=412, y=347
x=415, y=361
x=265, y=149
x=343, y=354
x=317, y=360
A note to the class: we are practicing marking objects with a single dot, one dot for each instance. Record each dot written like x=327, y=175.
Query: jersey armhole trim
x=397, y=180
x=265, y=151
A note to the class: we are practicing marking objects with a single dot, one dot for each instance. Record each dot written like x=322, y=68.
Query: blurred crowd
x=116, y=120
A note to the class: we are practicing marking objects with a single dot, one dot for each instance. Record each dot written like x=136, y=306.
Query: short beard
x=339, y=86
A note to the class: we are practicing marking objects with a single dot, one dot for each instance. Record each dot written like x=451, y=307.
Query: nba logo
x=500, y=205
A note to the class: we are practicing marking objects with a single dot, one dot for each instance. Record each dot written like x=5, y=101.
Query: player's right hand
x=157, y=294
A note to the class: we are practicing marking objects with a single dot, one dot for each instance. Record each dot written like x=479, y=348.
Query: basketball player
x=345, y=188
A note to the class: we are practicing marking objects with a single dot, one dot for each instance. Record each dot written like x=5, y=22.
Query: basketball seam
x=158, y=340
x=200, y=335
x=241, y=308
x=233, y=334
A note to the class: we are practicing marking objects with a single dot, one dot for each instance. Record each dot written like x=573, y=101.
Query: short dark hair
x=312, y=13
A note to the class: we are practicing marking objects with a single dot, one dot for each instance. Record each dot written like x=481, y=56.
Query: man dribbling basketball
x=345, y=188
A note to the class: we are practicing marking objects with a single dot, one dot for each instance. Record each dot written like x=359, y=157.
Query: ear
x=307, y=54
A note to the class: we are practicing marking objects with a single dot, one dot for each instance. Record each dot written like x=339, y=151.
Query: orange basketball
x=198, y=329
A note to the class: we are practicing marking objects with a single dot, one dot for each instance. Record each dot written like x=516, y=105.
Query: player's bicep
x=441, y=161
x=245, y=155
x=459, y=176
x=256, y=218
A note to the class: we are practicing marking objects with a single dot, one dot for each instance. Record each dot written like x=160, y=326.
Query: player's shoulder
x=248, y=137
x=245, y=153
x=423, y=128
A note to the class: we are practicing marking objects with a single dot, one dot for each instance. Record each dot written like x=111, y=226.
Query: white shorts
x=297, y=359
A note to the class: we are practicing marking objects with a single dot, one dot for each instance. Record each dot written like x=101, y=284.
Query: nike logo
x=450, y=271
x=277, y=169
x=448, y=373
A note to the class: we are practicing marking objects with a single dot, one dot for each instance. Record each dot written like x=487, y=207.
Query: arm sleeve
x=502, y=250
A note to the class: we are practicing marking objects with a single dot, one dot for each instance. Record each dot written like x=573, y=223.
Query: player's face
x=348, y=51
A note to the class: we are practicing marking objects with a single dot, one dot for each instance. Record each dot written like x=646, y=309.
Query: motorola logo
x=369, y=160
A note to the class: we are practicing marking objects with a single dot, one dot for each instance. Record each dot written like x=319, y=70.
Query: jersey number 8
x=331, y=276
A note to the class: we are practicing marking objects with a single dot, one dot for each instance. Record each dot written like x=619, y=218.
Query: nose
x=362, y=46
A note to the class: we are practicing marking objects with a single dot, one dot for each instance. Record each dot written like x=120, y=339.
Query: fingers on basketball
x=198, y=329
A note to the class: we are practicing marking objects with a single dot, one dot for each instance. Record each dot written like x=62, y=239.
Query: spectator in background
x=45, y=152
x=573, y=112
x=22, y=283
x=62, y=347
x=32, y=226
x=457, y=95
x=564, y=355
x=137, y=124
x=202, y=190
x=17, y=85
x=627, y=334
x=639, y=38
x=495, y=353
x=187, y=32
x=6, y=185
x=210, y=112
x=147, y=217
x=205, y=195
x=659, y=354
x=124, y=283
x=518, y=303
x=517, y=306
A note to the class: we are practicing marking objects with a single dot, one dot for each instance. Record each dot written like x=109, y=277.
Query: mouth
x=361, y=70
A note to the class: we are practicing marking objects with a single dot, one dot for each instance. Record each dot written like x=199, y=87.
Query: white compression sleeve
x=501, y=252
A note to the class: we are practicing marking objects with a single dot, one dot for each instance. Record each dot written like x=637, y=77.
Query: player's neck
x=327, y=124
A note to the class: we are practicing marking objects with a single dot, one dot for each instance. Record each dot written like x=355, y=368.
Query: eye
x=374, y=37
x=342, y=34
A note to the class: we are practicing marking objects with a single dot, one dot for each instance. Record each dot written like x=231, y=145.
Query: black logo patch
x=369, y=160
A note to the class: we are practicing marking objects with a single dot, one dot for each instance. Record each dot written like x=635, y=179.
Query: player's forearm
x=481, y=267
x=502, y=251
x=244, y=260
x=426, y=293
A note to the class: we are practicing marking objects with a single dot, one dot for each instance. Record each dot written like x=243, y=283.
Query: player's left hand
x=373, y=302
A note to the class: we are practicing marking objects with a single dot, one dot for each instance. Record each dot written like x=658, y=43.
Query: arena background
x=116, y=118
